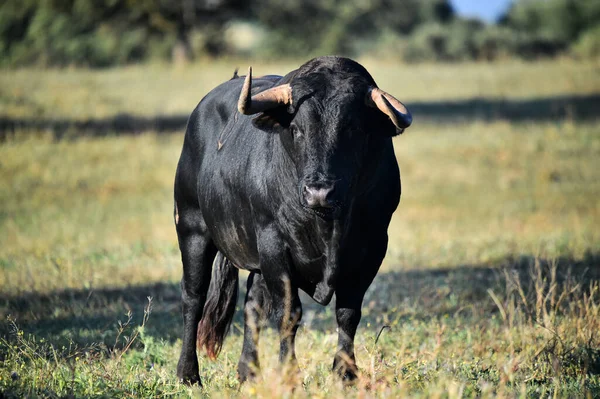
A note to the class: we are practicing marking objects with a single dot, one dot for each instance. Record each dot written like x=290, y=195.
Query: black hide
x=300, y=195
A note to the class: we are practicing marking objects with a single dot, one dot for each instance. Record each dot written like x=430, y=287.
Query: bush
x=444, y=42
x=495, y=42
x=386, y=46
x=427, y=43
x=70, y=32
x=100, y=33
x=588, y=45
x=558, y=21
x=535, y=46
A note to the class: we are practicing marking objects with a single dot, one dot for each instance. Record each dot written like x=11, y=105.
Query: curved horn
x=262, y=101
x=386, y=103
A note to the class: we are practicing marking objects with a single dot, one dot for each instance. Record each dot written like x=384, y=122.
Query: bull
x=293, y=179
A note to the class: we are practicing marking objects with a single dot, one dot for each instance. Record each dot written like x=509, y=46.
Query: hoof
x=191, y=380
x=348, y=372
x=188, y=373
x=349, y=377
x=246, y=372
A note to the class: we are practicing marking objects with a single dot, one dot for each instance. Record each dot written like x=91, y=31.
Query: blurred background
x=117, y=32
x=491, y=283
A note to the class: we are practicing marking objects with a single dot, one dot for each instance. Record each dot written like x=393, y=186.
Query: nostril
x=318, y=197
x=309, y=196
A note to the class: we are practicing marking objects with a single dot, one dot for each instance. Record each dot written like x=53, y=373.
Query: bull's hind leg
x=197, y=255
x=255, y=310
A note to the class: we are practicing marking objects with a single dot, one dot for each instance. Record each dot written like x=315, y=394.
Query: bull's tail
x=219, y=307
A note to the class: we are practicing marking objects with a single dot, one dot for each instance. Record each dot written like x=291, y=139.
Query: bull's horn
x=386, y=103
x=262, y=101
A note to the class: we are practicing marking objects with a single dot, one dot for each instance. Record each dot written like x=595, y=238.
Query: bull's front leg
x=287, y=313
x=353, y=284
x=347, y=313
x=286, y=308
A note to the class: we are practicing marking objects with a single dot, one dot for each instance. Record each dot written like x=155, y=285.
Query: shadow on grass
x=85, y=317
x=576, y=107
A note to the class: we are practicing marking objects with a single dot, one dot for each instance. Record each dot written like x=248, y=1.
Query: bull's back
x=214, y=121
x=222, y=152
x=216, y=111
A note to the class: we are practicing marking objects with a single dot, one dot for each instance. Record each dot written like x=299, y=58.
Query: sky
x=488, y=10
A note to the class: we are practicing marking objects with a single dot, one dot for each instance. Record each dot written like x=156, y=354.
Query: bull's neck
x=324, y=237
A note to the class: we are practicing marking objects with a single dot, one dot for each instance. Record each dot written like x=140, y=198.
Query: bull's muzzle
x=318, y=196
x=321, y=197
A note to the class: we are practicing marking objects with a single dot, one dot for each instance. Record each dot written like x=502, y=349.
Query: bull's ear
x=390, y=130
x=382, y=125
x=273, y=121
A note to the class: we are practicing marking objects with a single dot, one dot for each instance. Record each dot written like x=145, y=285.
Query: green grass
x=490, y=286
x=165, y=90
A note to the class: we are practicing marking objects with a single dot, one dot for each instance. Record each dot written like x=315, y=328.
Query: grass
x=477, y=192
x=165, y=90
x=490, y=286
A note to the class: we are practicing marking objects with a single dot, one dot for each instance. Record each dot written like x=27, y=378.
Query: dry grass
x=490, y=286
x=166, y=90
x=475, y=193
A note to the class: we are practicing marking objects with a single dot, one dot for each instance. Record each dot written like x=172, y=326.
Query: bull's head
x=326, y=120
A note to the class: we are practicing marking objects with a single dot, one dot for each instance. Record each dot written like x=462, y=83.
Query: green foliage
x=340, y=27
x=77, y=32
x=588, y=45
x=551, y=26
x=84, y=32
x=559, y=20
x=455, y=41
x=114, y=32
x=102, y=33
x=427, y=43
x=494, y=42
x=530, y=29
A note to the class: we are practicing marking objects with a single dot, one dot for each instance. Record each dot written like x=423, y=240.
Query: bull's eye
x=296, y=133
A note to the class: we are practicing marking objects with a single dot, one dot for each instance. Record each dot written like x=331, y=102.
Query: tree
x=108, y=32
x=333, y=26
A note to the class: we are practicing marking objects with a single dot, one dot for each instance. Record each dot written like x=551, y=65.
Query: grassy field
x=163, y=90
x=491, y=285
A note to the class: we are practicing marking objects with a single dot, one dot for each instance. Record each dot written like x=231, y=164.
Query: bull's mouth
x=324, y=213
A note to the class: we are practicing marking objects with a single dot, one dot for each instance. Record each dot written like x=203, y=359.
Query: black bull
x=300, y=195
